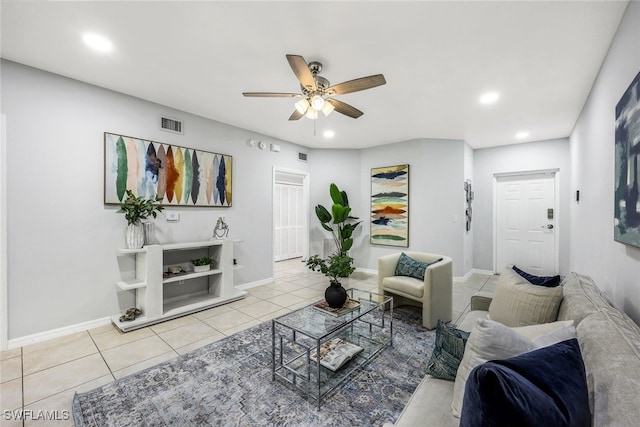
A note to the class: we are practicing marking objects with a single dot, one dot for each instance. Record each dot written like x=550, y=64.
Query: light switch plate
x=172, y=216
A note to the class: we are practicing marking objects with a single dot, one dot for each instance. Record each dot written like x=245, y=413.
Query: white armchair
x=433, y=294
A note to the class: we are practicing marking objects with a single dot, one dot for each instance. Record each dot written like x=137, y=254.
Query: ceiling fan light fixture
x=317, y=102
x=327, y=108
x=311, y=114
x=302, y=106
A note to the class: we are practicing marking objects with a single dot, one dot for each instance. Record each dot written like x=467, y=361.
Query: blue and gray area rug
x=228, y=383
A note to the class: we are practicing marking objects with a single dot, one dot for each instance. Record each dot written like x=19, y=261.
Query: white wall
x=436, y=177
x=532, y=156
x=614, y=266
x=62, y=239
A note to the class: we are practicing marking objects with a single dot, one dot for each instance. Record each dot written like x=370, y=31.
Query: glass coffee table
x=297, y=338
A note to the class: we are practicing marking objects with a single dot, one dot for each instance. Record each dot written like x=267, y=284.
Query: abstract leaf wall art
x=390, y=206
x=627, y=173
x=180, y=176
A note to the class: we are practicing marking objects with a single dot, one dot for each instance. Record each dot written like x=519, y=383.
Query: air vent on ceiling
x=171, y=125
x=302, y=157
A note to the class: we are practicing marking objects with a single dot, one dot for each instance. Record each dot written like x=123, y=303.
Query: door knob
x=548, y=226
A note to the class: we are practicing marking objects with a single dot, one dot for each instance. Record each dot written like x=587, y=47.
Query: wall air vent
x=171, y=125
x=302, y=157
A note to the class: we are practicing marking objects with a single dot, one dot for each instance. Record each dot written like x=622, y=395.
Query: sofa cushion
x=447, y=352
x=610, y=343
x=490, y=340
x=544, y=387
x=519, y=304
x=410, y=267
x=581, y=298
x=429, y=405
x=548, y=281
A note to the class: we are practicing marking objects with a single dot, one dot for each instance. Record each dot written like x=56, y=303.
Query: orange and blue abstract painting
x=180, y=176
x=390, y=206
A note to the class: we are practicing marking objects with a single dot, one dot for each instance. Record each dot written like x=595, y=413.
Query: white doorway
x=526, y=222
x=4, y=303
x=290, y=214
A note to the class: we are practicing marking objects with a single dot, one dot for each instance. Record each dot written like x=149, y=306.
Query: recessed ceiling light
x=329, y=134
x=522, y=135
x=489, y=98
x=97, y=42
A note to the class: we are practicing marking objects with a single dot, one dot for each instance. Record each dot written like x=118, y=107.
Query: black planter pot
x=335, y=295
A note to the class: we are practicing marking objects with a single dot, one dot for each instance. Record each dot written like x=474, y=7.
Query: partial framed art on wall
x=390, y=206
x=180, y=176
x=627, y=150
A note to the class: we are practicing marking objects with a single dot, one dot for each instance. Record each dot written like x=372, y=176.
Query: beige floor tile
x=134, y=352
x=260, y=308
x=10, y=369
x=59, y=405
x=80, y=346
x=275, y=314
x=225, y=321
x=11, y=394
x=55, y=342
x=265, y=292
x=243, y=302
x=187, y=334
x=309, y=293
x=286, y=300
x=201, y=315
x=54, y=380
x=145, y=364
x=104, y=328
x=286, y=286
x=159, y=328
x=115, y=338
x=200, y=343
x=8, y=354
x=242, y=327
x=302, y=303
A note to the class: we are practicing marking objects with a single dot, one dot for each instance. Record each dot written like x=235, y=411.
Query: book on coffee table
x=349, y=306
x=335, y=353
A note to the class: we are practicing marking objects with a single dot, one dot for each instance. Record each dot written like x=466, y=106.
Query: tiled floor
x=42, y=378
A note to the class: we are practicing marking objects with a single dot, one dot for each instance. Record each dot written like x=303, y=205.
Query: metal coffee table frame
x=297, y=335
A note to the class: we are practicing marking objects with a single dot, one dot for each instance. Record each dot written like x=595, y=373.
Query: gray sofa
x=610, y=345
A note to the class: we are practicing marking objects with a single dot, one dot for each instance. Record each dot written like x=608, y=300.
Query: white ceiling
x=437, y=58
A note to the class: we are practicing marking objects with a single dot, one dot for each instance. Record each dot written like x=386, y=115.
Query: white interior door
x=288, y=221
x=526, y=223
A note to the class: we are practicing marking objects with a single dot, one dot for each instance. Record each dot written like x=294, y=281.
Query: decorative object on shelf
x=202, y=264
x=131, y=314
x=340, y=264
x=136, y=209
x=179, y=176
x=221, y=229
x=175, y=269
x=627, y=173
x=469, y=198
x=390, y=206
x=148, y=232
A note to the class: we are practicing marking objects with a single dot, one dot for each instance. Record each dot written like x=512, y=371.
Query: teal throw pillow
x=447, y=352
x=408, y=266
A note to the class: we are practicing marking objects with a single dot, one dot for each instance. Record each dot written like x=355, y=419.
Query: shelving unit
x=162, y=296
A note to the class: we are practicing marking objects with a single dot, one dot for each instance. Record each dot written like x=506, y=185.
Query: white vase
x=135, y=236
x=201, y=268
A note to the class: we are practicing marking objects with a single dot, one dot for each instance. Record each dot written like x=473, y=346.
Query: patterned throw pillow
x=408, y=266
x=447, y=352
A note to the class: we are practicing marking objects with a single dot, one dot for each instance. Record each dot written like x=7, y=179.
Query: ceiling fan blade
x=357, y=84
x=296, y=115
x=271, y=94
x=302, y=72
x=344, y=108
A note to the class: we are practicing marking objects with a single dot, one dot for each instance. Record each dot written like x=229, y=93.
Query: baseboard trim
x=367, y=270
x=57, y=333
x=470, y=272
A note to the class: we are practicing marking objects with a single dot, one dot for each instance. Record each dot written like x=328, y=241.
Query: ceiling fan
x=316, y=94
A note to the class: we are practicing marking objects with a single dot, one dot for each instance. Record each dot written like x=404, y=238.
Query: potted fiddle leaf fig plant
x=341, y=225
x=136, y=209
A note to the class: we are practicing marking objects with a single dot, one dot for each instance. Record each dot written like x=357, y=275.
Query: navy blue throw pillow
x=544, y=387
x=548, y=281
